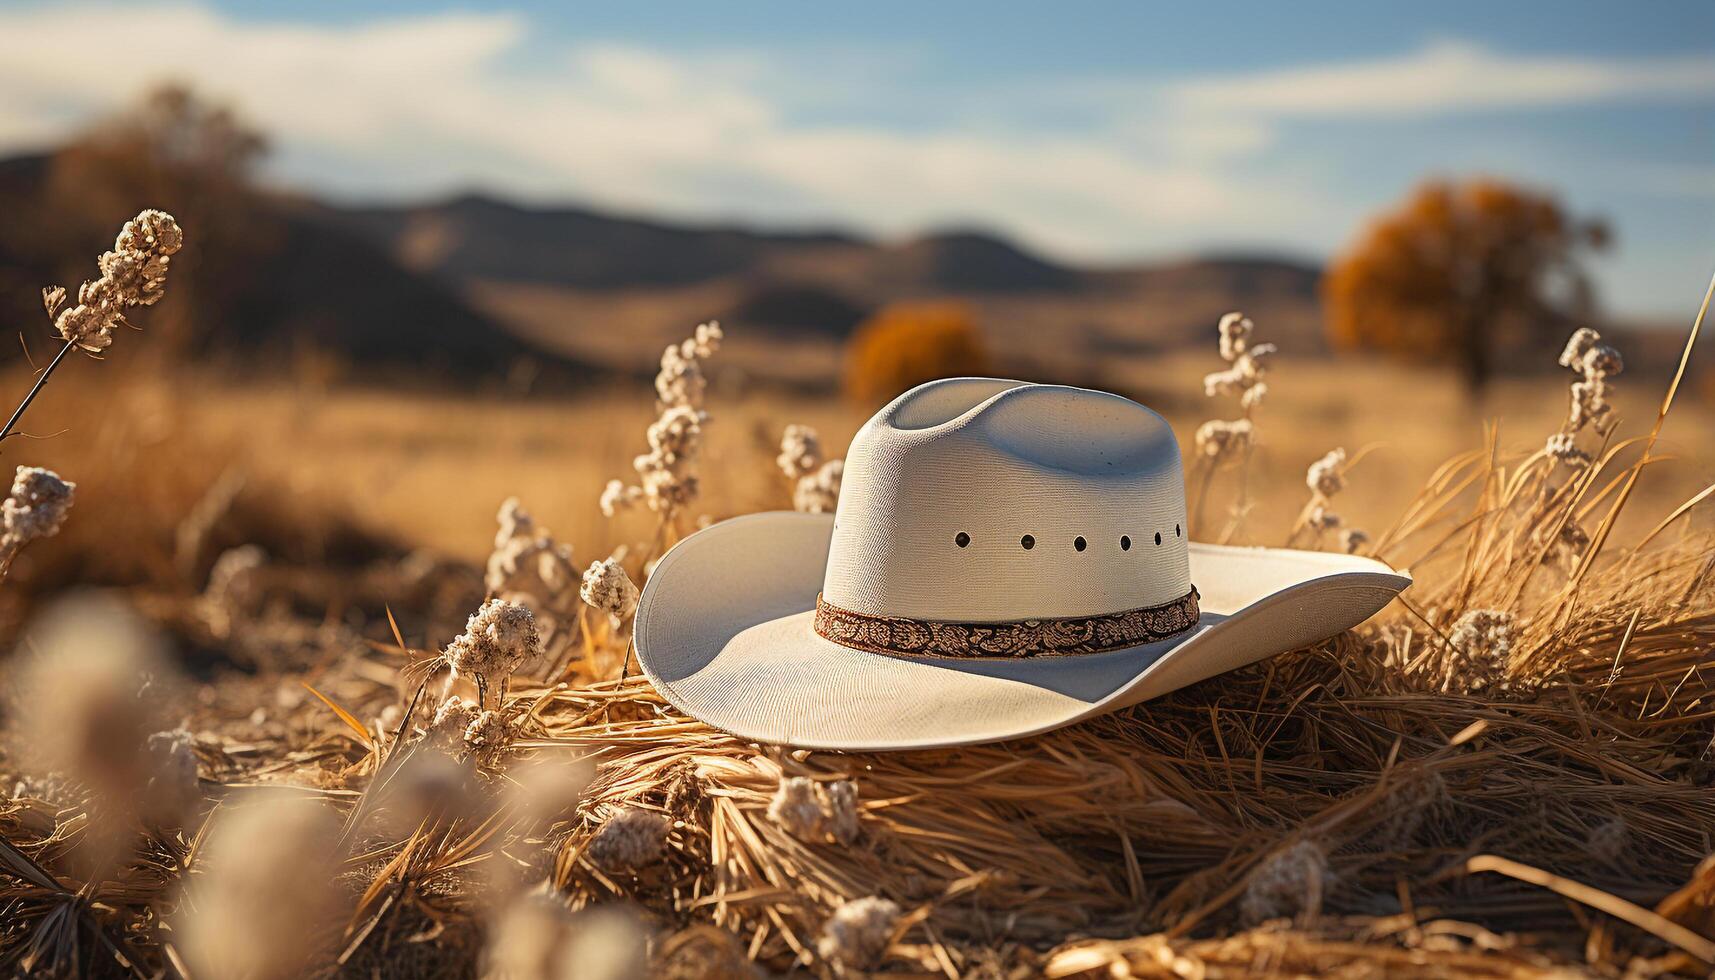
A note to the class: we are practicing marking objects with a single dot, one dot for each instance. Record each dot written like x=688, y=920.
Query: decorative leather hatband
x=1023, y=638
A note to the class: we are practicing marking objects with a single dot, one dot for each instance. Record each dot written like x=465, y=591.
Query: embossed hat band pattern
x=1069, y=636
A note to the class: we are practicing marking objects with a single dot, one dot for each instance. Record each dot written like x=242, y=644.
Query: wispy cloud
x=1451, y=77
x=428, y=103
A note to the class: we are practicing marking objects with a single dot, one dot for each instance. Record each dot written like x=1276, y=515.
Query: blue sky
x=1098, y=132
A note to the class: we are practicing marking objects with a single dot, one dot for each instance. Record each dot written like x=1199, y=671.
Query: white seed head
x=859, y=932
x=618, y=496
x=488, y=738
x=1221, y=440
x=1581, y=341
x=1563, y=446
x=1235, y=334
x=1481, y=644
x=1327, y=476
x=36, y=508
x=607, y=588
x=1602, y=361
x=800, y=452
x=819, y=492
x=498, y=637
x=813, y=811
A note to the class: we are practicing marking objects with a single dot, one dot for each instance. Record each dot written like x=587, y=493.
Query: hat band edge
x=1062, y=637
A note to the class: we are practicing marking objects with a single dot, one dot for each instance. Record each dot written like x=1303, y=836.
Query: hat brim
x=724, y=632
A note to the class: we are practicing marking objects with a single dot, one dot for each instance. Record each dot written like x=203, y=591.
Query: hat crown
x=984, y=500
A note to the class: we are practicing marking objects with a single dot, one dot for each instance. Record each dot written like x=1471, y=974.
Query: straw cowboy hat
x=1006, y=558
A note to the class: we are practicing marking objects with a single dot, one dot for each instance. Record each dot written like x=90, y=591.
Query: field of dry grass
x=1506, y=775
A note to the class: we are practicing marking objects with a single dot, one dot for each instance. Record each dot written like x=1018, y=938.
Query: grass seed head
x=859, y=932
x=618, y=496
x=1220, y=441
x=133, y=273
x=36, y=508
x=630, y=839
x=607, y=588
x=1327, y=476
x=819, y=492
x=800, y=452
x=498, y=638
x=1481, y=643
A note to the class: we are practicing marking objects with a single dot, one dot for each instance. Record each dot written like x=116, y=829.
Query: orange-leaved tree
x=908, y=343
x=1463, y=273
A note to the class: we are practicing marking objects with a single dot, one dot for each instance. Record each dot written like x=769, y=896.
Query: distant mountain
x=263, y=284
x=477, y=237
x=472, y=284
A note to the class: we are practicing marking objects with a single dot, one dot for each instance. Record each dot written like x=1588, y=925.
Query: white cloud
x=1451, y=76
x=429, y=103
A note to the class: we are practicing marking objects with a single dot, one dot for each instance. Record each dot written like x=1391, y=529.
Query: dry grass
x=1400, y=800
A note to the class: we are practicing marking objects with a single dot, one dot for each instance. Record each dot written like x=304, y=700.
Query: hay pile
x=1509, y=773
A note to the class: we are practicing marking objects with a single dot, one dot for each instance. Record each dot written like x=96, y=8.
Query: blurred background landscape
x=433, y=255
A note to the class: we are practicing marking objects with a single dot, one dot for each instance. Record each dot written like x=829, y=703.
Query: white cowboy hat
x=1006, y=558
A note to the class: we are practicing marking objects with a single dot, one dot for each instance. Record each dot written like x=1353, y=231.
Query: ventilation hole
x=961, y=539
x=1125, y=542
x=1176, y=531
x=1158, y=537
x=1028, y=542
x=1078, y=542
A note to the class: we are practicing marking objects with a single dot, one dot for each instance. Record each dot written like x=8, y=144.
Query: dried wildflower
x=1236, y=331
x=1253, y=397
x=1580, y=342
x=630, y=839
x=617, y=496
x=497, y=638
x=450, y=721
x=1602, y=361
x=800, y=452
x=680, y=381
x=859, y=932
x=1563, y=447
x=1322, y=519
x=1327, y=476
x=666, y=471
x=133, y=274
x=1480, y=649
x=170, y=792
x=267, y=883
x=1352, y=540
x=1229, y=381
x=1290, y=882
x=819, y=492
x=488, y=738
x=1219, y=440
x=36, y=508
x=607, y=588
x=527, y=565
x=813, y=811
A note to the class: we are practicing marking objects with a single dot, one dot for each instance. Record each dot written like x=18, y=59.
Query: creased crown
x=984, y=500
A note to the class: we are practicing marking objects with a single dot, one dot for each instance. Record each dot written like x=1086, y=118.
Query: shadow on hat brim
x=724, y=632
